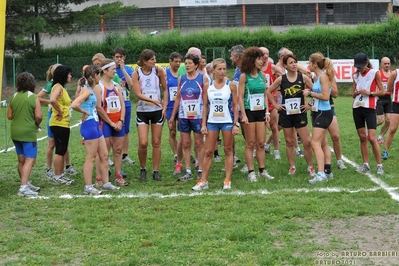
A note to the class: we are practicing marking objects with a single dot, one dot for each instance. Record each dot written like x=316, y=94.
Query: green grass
x=164, y=223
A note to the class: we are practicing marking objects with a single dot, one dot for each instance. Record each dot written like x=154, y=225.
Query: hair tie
x=108, y=65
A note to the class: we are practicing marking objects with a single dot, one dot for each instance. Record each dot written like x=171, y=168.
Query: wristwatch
x=371, y=94
x=310, y=93
x=237, y=124
x=123, y=121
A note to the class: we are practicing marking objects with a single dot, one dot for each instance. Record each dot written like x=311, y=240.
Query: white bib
x=315, y=105
x=172, y=93
x=113, y=104
x=191, y=107
x=152, y=95
x=257, y=102
x=293, y=106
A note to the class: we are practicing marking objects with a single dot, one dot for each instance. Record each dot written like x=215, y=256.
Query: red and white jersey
x=367, y=82
x=269, y=75
x=384, y=79
x=395, y=91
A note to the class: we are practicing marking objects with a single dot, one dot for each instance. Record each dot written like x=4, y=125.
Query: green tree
x=27, y=19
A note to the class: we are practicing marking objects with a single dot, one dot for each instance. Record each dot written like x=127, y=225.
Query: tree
x=27, y=19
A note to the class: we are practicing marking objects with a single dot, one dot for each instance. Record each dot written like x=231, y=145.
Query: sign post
x=2, y=40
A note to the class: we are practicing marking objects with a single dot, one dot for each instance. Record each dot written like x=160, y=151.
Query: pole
x=2, y=40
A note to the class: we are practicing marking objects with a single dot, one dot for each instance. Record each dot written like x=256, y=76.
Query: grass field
x=285, y=221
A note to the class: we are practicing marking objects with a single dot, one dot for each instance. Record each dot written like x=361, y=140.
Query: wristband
x=267, y=113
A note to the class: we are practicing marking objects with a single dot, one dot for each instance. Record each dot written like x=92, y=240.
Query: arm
x=270, y=90
x=325, y=87
x=241, y=91
x=128, y=78
x=9, y=113
x=233, y=89
x=119, y=124
x=176, y=104
x=137, y=90
x=38, y=113
x=40, y=96
x=391, y=79
x=205, y=110
x=334, y=88
x=380, y=91
x=55, y=93
x=277, y=71
x=84, y=94
x=162, y=79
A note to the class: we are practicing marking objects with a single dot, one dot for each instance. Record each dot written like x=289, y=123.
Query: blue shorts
x=108, y=131
x=128, y=117
x=188, y=125
x=219, y=126
x=27, y=149
x=169, y=114
x=90, y=129
x=49, y=133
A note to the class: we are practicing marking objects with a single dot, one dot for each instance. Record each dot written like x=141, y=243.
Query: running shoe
x=201, y=185
x=311, y=171
x=227, y=183
x=385, y=155
x=380, y=170
x=319, y=177
x=127, y=160
x=299, y=153
x=119, y=181
x=292, y=170
x=236, y=159
x=110, y=162
x=91, y=191
x=143, y=175
x=244, y=169
x=363, y=169
x=341, y=165
x=217, y=159
x=33, y=188
x=185, y=177
x=109, y=187
x=27, y=192
x=71, y=171
x=252, y=177
x=266, y=175
x=156, y=176
x=177, y=170
x=277, y=155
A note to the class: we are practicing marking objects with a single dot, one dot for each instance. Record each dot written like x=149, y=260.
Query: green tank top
x=254, y=94
x=23, y=125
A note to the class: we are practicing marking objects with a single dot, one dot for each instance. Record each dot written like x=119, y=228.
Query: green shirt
x=23, y=123
x=254, y=87
x=182, y=70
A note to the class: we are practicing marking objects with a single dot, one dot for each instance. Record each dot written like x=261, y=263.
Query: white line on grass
x=390, y=190
x=216, y=193
x=39, y=139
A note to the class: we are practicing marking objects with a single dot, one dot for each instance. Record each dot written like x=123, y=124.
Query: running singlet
x=365, y=81
x=191, y=102
x=110, y=102
x=149, y=85
x=171, y=83
x=269, y=75
x=64, y=103
x=124, y=85
x=395, y=91
x=292, y=94
x=220, y=101
x=384, y=80
x=90, y=104
x=254, y=95
x=317, y=104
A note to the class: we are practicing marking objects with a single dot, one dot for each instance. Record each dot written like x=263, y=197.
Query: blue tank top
x=90, y=104
x=171, y=83
x=322, y=105
x=191, y=102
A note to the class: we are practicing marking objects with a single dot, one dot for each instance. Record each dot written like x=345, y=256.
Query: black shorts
x=61, y=139
x=395, y=108
x=322, y=119
x=255, y=116
x=288, y=121
x=147, y=117
x=384, y=105
x=365, y=116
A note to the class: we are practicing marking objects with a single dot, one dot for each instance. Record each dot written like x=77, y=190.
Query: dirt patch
x=357, y=241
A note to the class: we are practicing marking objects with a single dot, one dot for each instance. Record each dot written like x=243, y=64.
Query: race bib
x=95, y=115
x=70, y=113
x=257, y=102
x=293, y=106
x=125, y=94
x=315, y=105
x=191, y=107
x=151, y=95
x=267, y=81
x=172, y=93
x=385, y=86
x=113, y=104
x=360, y=101
x=218, y=108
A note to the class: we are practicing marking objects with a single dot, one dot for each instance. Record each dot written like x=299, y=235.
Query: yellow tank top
x=65, y=105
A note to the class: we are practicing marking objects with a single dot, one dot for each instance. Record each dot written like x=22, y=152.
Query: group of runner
x=197, y=97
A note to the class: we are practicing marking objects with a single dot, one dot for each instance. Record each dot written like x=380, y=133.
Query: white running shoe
x=252, y=177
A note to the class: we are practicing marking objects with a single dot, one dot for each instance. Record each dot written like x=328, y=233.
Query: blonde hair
x=217, y=61
x=50, y=72
x=324, y=63
x=98, y=56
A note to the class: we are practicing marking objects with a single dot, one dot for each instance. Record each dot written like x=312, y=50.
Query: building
x=169, y=14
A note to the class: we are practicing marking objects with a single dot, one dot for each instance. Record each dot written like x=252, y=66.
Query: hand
x=58, y=116
x=306, y=92
x=280, y=107
x=170, y=122
x=121, y=63
x=306, y=107
x=244, y=120
x=235, y=131
x=267, y=118
x=163, y=114
x=84, y=116
x=204, y=130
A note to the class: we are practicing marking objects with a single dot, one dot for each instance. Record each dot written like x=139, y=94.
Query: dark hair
x=61, y=75
x=145, y=55
x=119, y=50
x=249, y=57
x=173, y=55
x=26, y=82
x=193, y=57
x=287, y=56
x=89, y=74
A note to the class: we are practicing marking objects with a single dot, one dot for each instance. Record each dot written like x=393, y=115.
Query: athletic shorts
x=149, y=117
x=169, y=114
x=255, y=116
x=219, y=126
x=322, y=119
x=333, y=110
x=395, y=108
x=188, y=125
x=90, y=129
x=289, y=121
x=109, y=131
x=27, y=149
x=384, y=105
x=128, y=117
x=61, y=139
x=49, y=133
x=364, y=116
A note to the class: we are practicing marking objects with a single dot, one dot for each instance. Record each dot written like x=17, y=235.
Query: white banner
x=207, y=2
x=344, y=68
